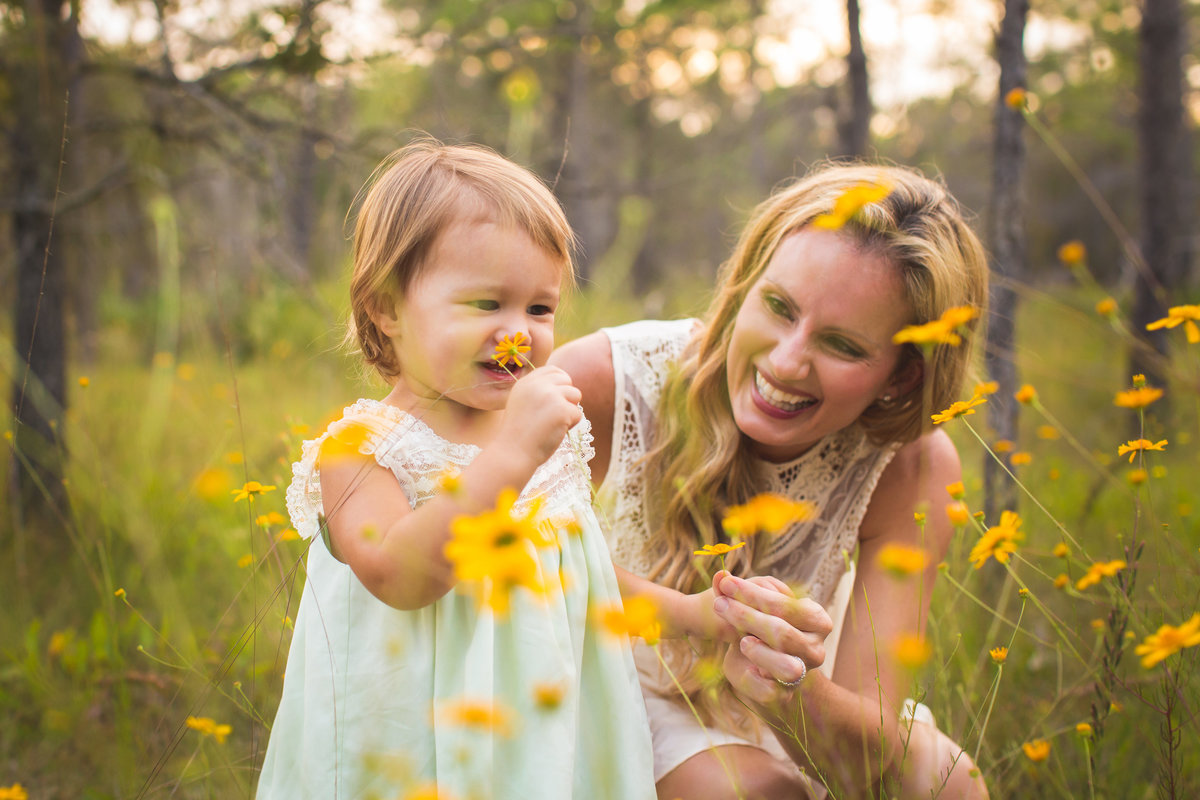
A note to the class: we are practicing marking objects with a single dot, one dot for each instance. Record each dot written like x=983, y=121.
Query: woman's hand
x=782, y=636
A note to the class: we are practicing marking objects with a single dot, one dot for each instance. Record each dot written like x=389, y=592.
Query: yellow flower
x=1025, y=394
x=345, y=440
x=1021, y=458
x=1106, y=307
x=956, y=490
x=999, y=541
x=119, y=592
x=1139, y=397
x=718, y=549
x=959, y=408
x=84, y=381
x=1061, y=550
x=911, y=651
x=1037, y=750
x=765, y=513
x=999, y=654
x=1072, y=253
x=1098, y=625
x=1098, y=570
x=245, y=561
x=1048, y=432
x=902, y=560
x=1176, y=315
x=986, y=388
x=478, y=715
x=1135, y=446
x=511, y=349
x=428, y=791
x=270, y=518
x=943, y=330
x=1083, y=729
x=14, y=792
x=548, y=696
x=1003, y=446
x=1054, y=474
x=1061, y=580
x=208, y=727
x=1137, y=477
x=250, y=490
x=958, y=513
x=636, y=616
x=849, y=203
x=287, y=535
x=1168, y=640
x=235, y=457
x=450, y=482
x=919, y=517
x=212, y=483
x=1016, y=98
x=497, y=551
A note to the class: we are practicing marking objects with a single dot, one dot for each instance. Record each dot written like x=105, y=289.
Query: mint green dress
x=369, y=691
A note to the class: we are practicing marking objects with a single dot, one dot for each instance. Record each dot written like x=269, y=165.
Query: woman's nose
x=790, y=358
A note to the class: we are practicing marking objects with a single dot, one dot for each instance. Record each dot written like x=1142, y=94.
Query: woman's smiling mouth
x=779, y=399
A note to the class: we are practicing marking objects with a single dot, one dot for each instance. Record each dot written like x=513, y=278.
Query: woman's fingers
x=793, y=626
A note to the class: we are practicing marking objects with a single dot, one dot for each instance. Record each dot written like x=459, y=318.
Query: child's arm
x=397, y=551
x=680, y=614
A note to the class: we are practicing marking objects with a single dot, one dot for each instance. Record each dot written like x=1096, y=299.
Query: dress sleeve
x=359, y=429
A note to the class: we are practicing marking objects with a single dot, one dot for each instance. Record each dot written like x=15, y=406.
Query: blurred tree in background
x=244, y=134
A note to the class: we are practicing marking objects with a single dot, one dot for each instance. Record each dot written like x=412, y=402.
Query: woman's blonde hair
x=411, y=198
x=701, y=463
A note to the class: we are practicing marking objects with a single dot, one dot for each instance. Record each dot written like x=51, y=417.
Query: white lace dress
x=837, y=476
x=367, y=688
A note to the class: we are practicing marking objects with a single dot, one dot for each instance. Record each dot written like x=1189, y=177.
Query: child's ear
x=385, y=313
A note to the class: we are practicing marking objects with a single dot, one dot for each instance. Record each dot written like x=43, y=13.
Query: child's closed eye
x=484, y=305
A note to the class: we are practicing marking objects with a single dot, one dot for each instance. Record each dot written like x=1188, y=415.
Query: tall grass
x=97, y=684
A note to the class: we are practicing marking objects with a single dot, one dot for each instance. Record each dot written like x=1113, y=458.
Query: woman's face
x=811, y=346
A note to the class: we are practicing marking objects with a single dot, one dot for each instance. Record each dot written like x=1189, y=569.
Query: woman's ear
x=385, y=313
x=907, y=378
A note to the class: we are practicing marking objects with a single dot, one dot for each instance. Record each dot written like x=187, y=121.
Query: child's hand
x=541, y=408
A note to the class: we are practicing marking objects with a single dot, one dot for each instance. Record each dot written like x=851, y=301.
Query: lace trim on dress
x=420, y=459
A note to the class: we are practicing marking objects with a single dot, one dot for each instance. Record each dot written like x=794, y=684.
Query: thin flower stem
x=993, y=691
x=1077, y=445
x=711, y=745
x=1062, y=529
x=1128, y=244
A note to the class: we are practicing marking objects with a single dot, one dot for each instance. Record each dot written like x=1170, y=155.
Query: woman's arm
x=588, y=360
x=849, y=731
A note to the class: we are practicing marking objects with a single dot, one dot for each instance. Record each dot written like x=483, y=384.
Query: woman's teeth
x=781, y=400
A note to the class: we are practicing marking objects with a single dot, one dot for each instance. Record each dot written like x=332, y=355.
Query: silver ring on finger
x=798, y=681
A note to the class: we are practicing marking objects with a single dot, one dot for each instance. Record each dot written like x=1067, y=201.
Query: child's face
x=483, y=282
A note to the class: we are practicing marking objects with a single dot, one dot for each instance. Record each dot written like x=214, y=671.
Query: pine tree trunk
x=1163, y=165
x=1007, y=240
x=854, y=128
x=39, y=62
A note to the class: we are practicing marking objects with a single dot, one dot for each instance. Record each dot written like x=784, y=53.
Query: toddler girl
x=397, y=684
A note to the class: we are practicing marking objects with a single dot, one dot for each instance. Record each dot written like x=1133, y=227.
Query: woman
x=792, y=384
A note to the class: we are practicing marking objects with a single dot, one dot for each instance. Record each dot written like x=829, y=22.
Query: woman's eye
x=846, y=348
x=540, y=310
x=484, y=305
x=776, y=306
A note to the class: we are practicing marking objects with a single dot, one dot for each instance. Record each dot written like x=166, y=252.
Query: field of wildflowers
x=146, y=660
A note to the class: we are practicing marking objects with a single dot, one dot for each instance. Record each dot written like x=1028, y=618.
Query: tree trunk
x=1006, y=232
x=40, y=61
x=854, y=128
x=1163, y=165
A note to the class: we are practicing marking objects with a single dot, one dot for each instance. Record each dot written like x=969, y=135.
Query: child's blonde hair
x=411, y=198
